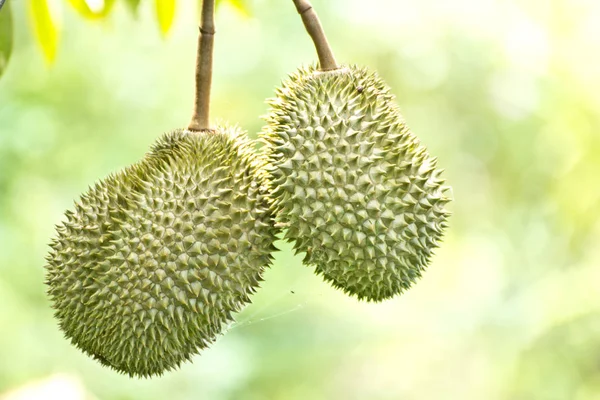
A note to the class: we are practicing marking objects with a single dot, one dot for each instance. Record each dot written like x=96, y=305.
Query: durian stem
x=204, y=61
x=315, y=30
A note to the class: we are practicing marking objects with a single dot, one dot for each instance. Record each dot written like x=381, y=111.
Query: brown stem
x=315, y=30
x=204, y=61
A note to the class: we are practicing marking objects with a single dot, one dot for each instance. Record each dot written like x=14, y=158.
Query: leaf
x=165, y=12
x=240, y=5
x=92, y=9
x=133, y=5
x=6, y=36
x=44, y=27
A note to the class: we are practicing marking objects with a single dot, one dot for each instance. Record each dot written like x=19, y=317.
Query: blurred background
x=506, y=93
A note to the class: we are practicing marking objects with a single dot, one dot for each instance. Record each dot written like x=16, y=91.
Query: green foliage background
x=505, y=92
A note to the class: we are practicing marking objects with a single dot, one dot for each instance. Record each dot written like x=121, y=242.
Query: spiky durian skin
x=355, y=189
x=153, y=261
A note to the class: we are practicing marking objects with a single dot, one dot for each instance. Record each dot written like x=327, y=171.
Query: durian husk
x=151, y=264
x=355, y=189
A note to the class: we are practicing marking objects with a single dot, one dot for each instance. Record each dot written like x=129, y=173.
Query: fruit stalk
x=204, y=61
x=315, y=30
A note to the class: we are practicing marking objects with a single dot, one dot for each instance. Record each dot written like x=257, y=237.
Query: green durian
x=149, y=267
x=355, y=189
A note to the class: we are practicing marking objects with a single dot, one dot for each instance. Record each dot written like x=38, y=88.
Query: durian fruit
x=149, y=267
x=357, y=192
x=156, y=258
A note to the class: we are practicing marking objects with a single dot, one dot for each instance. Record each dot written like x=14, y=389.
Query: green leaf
x=86, y=9
x=6, y=36
x=44, y=27
x=133, y=5
x=165, y=12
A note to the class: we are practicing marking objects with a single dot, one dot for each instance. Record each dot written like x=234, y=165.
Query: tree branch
x=204, y=61
x=315, y=30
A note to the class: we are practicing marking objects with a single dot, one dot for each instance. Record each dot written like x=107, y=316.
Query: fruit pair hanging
x=156, y=258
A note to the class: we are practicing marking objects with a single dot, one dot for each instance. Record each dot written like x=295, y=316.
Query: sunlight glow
x=95, y=5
